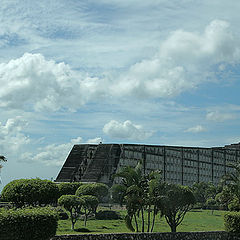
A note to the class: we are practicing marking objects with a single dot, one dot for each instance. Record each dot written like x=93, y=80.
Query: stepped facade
x=181, y=165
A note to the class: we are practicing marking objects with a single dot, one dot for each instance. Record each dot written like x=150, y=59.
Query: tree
x=99, y=190
x=233, y=180
x=132, y=179
x=177, y=201
x=2, y=159
x=211, y=203
x=90, y=204
x=203, y=191
x=140, y=195
x=118, y=192
x=225, y=197
x=72, y=204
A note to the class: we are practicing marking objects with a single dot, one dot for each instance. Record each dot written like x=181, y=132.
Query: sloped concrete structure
x=182, y=165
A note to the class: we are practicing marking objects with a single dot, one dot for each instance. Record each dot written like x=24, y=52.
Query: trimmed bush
x=62, y=214
x=26, y=224
x=99, y=190
x=68, y=188
x=232, y=222
x=30, y=192
x=107, y=215
x=234, y=205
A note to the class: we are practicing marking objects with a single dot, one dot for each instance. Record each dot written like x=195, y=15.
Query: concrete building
x=182, y=165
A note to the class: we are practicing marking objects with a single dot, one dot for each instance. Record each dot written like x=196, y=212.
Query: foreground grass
x=196, y=220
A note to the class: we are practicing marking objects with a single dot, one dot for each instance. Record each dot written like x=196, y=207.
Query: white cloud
x=54, y=154
x=31, y=80
x=220, y=116
x=185, y=60
x=95, y=140
x=125, y=130
x=11, y=135
x=196, y=129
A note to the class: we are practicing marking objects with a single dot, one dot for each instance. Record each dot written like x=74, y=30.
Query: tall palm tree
x=3, y=159
x=233, y=180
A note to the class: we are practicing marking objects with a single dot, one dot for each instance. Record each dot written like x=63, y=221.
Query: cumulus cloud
x=185, y=60
x=12, y=136
x=196, y=129
x=220, y=116
x=33, y=81
x=125, y=130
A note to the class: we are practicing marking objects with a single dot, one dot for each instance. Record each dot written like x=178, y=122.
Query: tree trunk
x=142, y=212
x=153, y=221
x=73, y=223
x=85, y=218
x=173, y=228
x=149, y=216
x=136, y=223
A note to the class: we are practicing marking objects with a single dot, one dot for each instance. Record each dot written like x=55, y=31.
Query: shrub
x=30, y=192
x=232, y=222
x=107, y=215
x=68, y=188
x=99, y=190
x=118, y=192
x=26, y=224
x=62, y=214
x=234, y=205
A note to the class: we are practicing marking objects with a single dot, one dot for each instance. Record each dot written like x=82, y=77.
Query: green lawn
x=196, y=220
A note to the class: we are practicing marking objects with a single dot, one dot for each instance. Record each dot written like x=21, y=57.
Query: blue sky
x=155, y=72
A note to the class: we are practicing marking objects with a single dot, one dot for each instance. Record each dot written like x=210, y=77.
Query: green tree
x=203, y=191
x=2, y=159
x=72, y=204
x=140, y=195
x=118, y=192
x=177, y=201
x=132, y=179
x=99, y=190
x=211, y=203
x=225, y=197
x=90, y=204
x=233, y=181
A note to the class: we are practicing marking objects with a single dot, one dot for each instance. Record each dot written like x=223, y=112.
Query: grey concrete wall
x=153, y=236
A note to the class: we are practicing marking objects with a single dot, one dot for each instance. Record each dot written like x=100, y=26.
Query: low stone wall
x=153, y=236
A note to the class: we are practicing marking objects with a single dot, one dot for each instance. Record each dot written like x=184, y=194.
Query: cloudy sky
x=155, y=72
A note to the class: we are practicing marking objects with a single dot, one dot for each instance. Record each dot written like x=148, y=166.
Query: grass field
x=196, y=220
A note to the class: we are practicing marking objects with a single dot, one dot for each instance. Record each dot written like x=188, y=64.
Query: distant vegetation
x=150, y=204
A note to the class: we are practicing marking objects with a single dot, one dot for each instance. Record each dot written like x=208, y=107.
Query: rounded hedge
x=232, y=222
x=107, y=215
x=99, y=190
x=68, y=188
x=25, y=224
x=30, y=192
